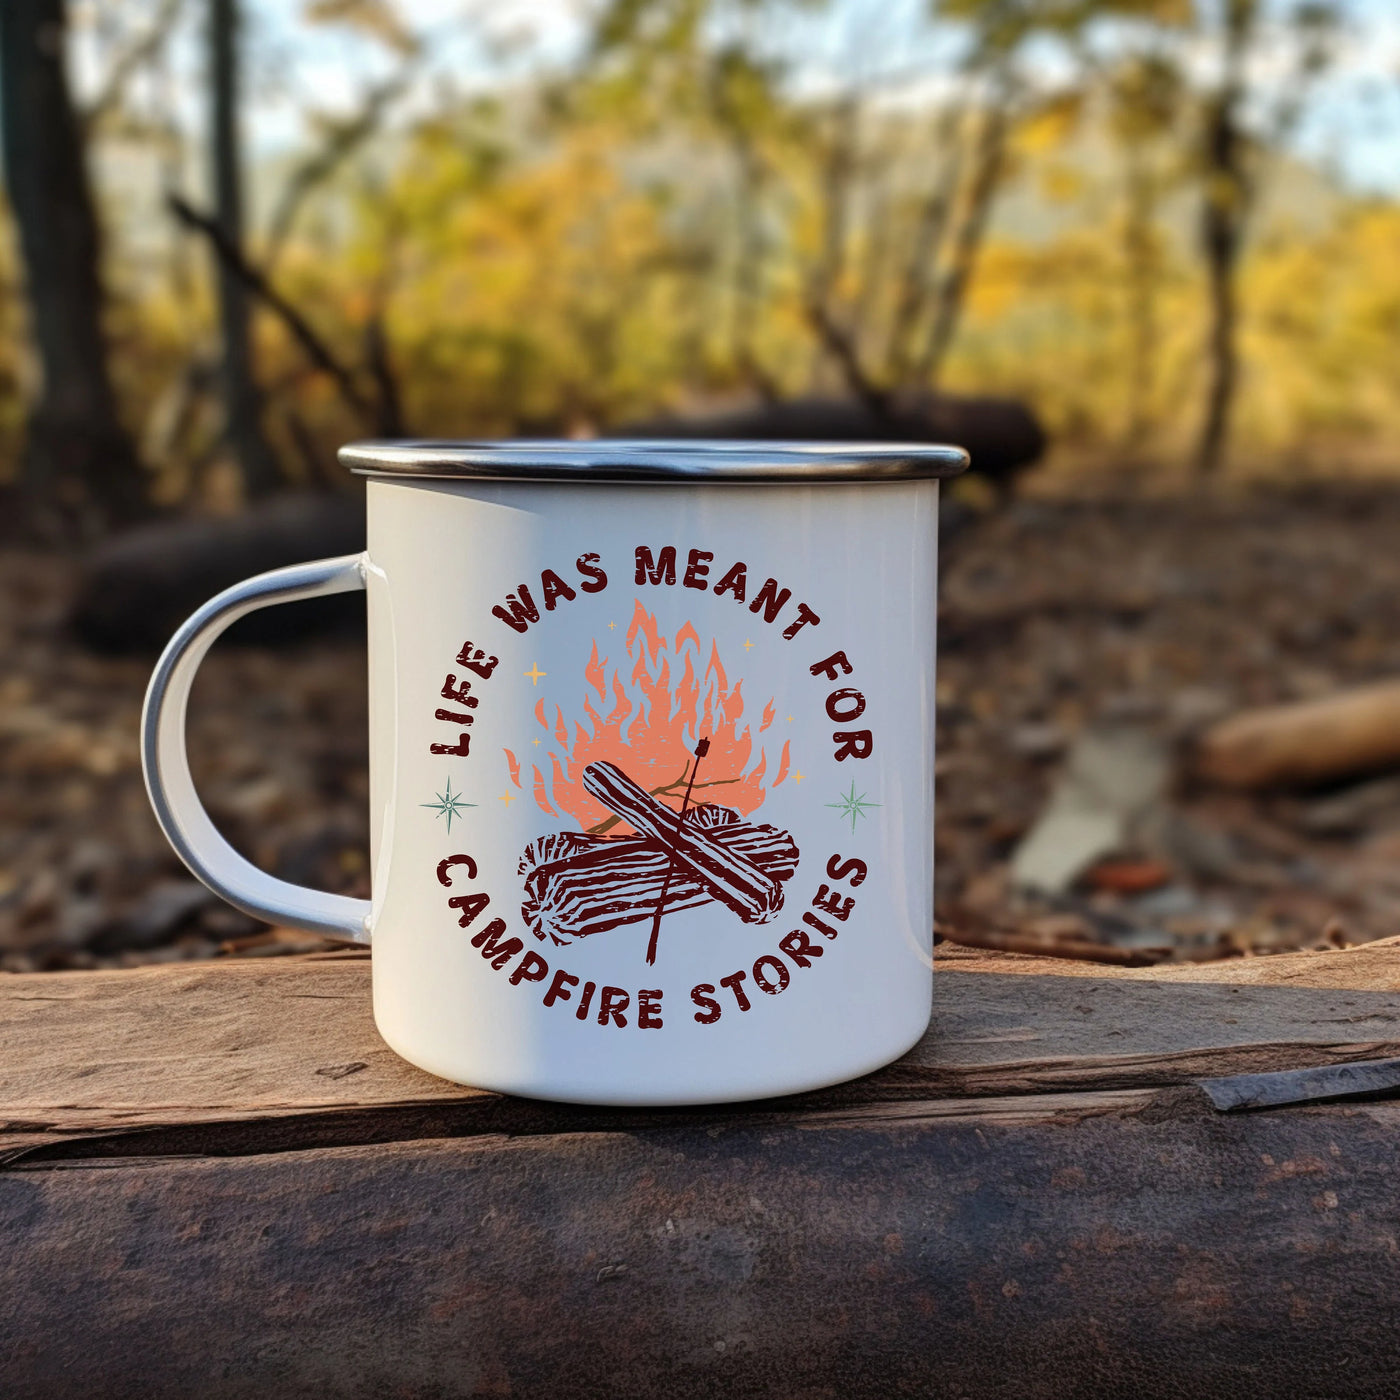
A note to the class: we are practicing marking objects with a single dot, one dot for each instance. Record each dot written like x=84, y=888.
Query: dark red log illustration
x=578, y=885
x=730, y=877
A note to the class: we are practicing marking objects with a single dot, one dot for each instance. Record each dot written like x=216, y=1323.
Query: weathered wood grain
x=1156, y=1250
x=290, y=1045
x=111, y=1049
x=1371, y=967
x=215, y=1180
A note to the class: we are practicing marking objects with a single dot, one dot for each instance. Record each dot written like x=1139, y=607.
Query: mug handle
x=166, y=766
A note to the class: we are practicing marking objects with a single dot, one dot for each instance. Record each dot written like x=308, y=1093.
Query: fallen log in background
x=1306, y=744
x=139, y=585
x=577, y=885
x=1003, y=436
x=731, y=878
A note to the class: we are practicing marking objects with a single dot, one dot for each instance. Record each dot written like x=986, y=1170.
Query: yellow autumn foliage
x=581, y=277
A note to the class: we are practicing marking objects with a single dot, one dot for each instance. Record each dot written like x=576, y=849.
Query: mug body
x=652, y=781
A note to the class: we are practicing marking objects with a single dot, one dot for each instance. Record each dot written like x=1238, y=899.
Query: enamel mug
x=651, y=752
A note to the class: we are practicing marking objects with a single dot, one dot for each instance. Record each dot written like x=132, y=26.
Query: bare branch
x=390, y=414
x=966, y=241
x=144, y=47
x=1224, y=210
x=748, y=270
x=837, y=179
x=318, y=467
x=920, y=271
x=840, y=346
x=316, y=349
x=377, y=18
x=317, y=168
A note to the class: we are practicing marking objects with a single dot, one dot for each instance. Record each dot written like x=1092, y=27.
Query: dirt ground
x=1058, y=615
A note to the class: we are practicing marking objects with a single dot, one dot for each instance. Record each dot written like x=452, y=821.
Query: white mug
x=651, y=761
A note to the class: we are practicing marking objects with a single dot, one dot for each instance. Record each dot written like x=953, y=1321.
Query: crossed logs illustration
x=577, y=885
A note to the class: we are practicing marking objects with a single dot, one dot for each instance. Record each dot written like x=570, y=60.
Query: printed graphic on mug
x=635, y=857
x=653, y=768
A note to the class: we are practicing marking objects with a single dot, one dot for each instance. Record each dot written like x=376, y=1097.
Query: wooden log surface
x=220, y=1182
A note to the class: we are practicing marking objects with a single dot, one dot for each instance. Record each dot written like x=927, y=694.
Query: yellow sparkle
x=507, y=798
x=535, y=673
x=535, y=742
x=797, y=777
x=611, y=625
x=748, y=645
x=789, y=719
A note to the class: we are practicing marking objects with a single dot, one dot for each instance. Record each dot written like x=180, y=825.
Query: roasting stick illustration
x=701, y=749
x=733, y=879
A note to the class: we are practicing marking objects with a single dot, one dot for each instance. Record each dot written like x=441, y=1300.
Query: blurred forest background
x=238, y=233
x=251, y=231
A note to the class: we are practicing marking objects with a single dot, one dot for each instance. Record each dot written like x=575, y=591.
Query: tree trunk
x=242, y=399
x=920, y=272
x=966, y=241
x=748, y=269
x=1222, y=231
x=839, y=339
x=80, y=471
x=1220, y=395
x=1140, y=256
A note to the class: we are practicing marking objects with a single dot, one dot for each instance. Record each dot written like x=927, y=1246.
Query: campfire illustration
x=646, y=846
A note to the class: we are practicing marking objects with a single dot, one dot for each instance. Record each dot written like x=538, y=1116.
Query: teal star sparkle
x=852, y=806
x=448, y=804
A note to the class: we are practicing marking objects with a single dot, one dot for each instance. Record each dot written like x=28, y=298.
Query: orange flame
x=652, y=728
